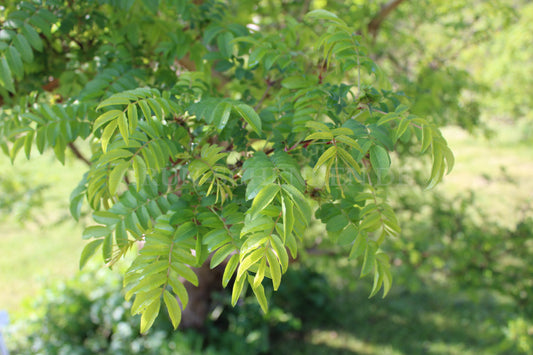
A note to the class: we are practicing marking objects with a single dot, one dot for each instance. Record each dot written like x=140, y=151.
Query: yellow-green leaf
x=149, y=315
x=139, y=168
x=89, y=250
x=259, y=293
x=173, y=308
x=105, y=117
x=114, y=100
x=370, y=257
x=263, y=199
x=250, y=260
x=326, y=156
x=133, y=118
x=116, y=175
x=123, y=127
x=231, y=266
x=237, y=289
x=260, y=274
x=107, y=134
x=250, y=116
x=275, y=269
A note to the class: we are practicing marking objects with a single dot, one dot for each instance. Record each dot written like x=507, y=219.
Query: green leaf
x=143, y=300
x=250, y=260
x=28, y=140
x=358, y=247
x=348, y=235
x=221, y=114
x=106, y=117
x=378, y=281
x=287, y=211
x=260, y=274
x=237, y=290
x=225, y=44
x=388, y=117
x=113, y=155
x=133, y=118
x=95, y=232
x=337, y=223
x=116, y=176
x=348, y=159
x=6, y=79
x=187, y=273
x=322, y=14
x=15, y=62
x=114, y=100
x=108, y=133
x=281, y=252
x=402, y=127
x=139, y=168
x=33, y=37
x=186, y=231
x=317, y=126
x=221, y=255
x=449, y=157
x=259, y=293
x=320, y=135
x=179, y=290
x=325, y=157
x=275, y=268
x=300, y=202
x=263, y=199
x=89, y=250
x=250, y=116
x=295, y=82
x=149, y=315
x=146, y=284
x=105, y=217
x=173, y=308
x=107, y=248
x=370, y=257
x=379, y=157
x=348, y=141
x=123, y=127
x=24, y=48
x=75, y=206
x=231, y=266
x=121, y=235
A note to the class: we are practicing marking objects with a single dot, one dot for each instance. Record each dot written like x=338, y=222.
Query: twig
x=265, y=94
x=375, y=24
x=78, y=154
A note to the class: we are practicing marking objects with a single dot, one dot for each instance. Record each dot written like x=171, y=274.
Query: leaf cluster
x=202, y=158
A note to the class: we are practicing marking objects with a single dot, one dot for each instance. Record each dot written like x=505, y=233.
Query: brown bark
x=200, y=298
x=375, y=24
x=78, y=154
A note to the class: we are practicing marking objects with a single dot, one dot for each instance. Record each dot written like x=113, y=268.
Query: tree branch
x=375, y=24
x=78, y=154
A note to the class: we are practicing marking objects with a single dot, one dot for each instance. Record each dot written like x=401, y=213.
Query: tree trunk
x=209, y=281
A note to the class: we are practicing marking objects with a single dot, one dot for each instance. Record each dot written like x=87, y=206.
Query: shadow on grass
x=432, y=321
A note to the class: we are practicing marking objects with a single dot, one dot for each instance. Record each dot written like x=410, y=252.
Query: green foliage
x=88, y=315
x=201, y=134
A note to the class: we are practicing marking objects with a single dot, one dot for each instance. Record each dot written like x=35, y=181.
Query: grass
x=499, y=171
x=45, y=247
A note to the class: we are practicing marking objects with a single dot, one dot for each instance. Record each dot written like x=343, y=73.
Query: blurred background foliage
x=462, y=267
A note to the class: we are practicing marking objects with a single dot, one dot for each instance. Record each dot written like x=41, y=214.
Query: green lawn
x=499, y=171
x=47, y=246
